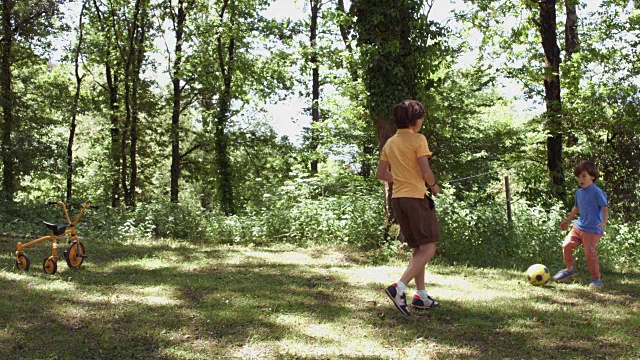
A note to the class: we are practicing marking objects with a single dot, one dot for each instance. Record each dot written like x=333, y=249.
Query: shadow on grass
x=541, y=327
x=177, y=300
x=192, y=302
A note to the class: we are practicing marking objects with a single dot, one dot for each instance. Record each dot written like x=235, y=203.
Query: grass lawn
x=165, y=299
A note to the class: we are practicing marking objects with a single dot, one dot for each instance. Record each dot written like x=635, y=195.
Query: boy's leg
x=589, y=242
x=422, y=300
x=421, y=256
x=571, y=242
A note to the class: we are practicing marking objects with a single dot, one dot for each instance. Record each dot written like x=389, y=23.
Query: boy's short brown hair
x=406, y=113
x=587, y=166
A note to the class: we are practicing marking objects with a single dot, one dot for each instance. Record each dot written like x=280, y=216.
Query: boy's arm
x=384, y=173
x=605, y=218
x=565, y=223
x=427, y=175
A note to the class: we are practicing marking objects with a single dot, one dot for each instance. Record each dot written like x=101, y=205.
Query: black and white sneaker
x=399, y=300
x=418, y=303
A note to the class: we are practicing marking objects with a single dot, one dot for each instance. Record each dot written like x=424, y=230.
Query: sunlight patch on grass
x=446, y=287
x=148, y=295
x=255, y=351
x=14, y=276
x=285, y=257
x=188, y=346
x=158, y=242
x=40, y=282
x=308, y=256
x=422, y=348
x=54, y=285
x=308, y=337
x=147, y=263
x=218, y=301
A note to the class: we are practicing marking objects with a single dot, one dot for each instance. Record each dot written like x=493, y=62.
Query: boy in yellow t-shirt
x=407, y=153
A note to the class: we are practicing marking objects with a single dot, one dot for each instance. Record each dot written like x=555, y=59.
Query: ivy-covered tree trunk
x=390, y=68
x=547, y=27
x=6, y=100
x=224, y=106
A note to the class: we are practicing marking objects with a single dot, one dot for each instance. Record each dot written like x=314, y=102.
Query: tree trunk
x=224, y=106
x=571, y=39
x=385, y=132
x=177, y=101
x=368, y=152
x=391, y=73
x=315, y=84
x=74, y=109
x=6, y=98
x=571, y=46
x=112, y=84
x=344, y=33
x=222, y=145
x=129, y=99
x=547, y=26
x=114, y=108
x=135, y=113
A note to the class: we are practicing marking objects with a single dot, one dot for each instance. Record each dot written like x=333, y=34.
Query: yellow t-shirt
x=402, y=151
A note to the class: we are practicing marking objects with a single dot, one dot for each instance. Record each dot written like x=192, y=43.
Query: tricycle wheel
x=74, y=254
x=50, y=265
x=23, y=262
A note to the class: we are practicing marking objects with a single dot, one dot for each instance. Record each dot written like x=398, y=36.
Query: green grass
x=165, y=299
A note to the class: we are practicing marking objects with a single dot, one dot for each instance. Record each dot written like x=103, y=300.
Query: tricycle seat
x=57, y=229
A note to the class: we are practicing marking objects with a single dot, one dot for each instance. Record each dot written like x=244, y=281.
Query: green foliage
x=619, y=248
x=478, y=234
x=475, y=133
x=471, y=129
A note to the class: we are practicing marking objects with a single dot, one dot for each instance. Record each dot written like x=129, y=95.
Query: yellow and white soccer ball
x=538, y=274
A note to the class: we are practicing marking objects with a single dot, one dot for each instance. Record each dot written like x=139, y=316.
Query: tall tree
x=239, y=64
x=390, y=59
x=542, y=16
x=315, y=6
x=74, y=108
x=104, y=48
x=571, y=38
x=22, y=25
x=547, y=26
x=226, y=59
x=6, y=97
x=179, y=19
x=131, y=51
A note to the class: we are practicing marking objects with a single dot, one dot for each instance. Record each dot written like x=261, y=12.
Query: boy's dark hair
x=406, y=113
x=587, y=166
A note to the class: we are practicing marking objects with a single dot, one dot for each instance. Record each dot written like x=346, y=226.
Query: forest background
x=157, y=111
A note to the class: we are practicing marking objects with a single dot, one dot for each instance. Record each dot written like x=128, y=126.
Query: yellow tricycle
x=74, y=255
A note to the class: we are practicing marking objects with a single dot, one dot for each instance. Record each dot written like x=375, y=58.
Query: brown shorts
x=417, y=218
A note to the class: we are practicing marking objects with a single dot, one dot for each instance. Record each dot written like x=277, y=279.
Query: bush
x=477, y=233
x=324, y=210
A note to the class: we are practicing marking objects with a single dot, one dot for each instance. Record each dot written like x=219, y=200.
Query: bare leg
x=419, y=259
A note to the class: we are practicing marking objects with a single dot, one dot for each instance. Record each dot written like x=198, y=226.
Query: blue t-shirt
x=590, y=202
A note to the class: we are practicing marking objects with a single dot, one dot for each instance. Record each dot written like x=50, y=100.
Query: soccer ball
x=538, y=274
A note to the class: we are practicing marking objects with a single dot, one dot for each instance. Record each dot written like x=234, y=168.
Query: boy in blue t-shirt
x=591, y=203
